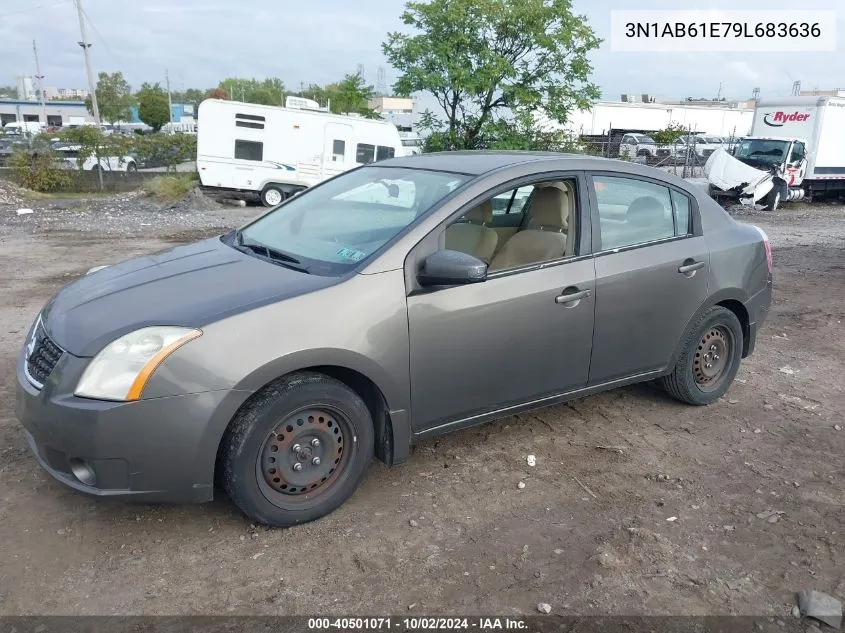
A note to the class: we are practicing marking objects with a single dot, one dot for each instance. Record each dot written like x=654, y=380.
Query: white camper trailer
x=276, y=152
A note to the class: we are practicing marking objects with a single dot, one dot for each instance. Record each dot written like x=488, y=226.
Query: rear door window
x=632, y=211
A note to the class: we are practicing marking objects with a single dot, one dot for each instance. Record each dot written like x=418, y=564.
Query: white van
x=277, y=152
x=23, y=127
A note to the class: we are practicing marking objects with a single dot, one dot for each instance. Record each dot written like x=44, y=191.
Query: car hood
x=190, y=285
x=726, y=172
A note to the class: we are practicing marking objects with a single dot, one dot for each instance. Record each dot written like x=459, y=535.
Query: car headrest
x=482, y=214
x=550, y=209
x=645, y=211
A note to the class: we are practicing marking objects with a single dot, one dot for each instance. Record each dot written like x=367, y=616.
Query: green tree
x=268, y=91
x=484, y=61
x=153, y=106
x=669, y=134
x=114, y=98
x=191, y=95
x=8, y=92
x=352, y=95
x=92, y=142
x=168, y=150
x=37, y=168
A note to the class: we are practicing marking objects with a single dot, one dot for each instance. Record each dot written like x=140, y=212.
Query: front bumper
x=156, y=450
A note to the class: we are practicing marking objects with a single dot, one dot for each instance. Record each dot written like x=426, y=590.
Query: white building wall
x=722, y=121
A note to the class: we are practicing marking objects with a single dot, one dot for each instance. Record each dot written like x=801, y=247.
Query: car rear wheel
x=297, y=451
x=709, y=360
x=272, y=195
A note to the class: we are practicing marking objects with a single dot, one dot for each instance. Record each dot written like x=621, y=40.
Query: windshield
x=645, y=140
x=760, y=151
x=333, y=227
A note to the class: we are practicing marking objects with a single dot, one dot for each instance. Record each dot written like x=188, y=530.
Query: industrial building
x=400, y=111
x=720, y=118
x=53, y=113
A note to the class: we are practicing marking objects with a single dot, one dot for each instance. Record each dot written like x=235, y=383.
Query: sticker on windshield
x=351, y=254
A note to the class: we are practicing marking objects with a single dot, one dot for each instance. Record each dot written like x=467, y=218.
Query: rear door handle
x=572, y=297
x=689, y=268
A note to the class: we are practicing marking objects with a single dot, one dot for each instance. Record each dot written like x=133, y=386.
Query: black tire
x=773, y=199
x=248, y=478
x=687, y=382
x=272, y=196
x=131, y=168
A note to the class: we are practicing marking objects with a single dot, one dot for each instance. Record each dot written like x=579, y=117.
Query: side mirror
x=449, y=268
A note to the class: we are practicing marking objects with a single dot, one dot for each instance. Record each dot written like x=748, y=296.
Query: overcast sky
x=202, y=41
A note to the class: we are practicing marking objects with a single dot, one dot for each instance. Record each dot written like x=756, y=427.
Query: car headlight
x=121, y=370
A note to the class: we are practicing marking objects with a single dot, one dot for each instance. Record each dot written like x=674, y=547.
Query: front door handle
x=570, y=299
x=690, y=267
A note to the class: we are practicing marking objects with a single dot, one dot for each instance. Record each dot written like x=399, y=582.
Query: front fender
x=393, y=393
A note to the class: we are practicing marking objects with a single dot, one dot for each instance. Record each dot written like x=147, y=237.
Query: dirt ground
x=637, y=504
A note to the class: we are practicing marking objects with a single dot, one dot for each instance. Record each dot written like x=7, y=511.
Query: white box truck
x=796, y=149
x=276, y=152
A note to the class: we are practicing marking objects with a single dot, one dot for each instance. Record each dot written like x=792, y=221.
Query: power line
x=40, y=6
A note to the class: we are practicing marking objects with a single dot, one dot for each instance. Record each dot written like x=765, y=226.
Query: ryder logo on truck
x=777, y=119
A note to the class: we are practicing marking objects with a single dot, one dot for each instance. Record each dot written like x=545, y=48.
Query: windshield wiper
x=270, y=253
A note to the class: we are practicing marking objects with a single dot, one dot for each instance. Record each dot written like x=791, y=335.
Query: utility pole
x=85, y=49
x=40, y=79
x=169, y=98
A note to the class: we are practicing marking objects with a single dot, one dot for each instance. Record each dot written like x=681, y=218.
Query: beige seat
x=474, y=237
x=546, y=239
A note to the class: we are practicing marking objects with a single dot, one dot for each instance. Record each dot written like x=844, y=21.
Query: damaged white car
x=762, y=170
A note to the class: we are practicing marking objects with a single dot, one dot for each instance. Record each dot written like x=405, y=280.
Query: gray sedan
x=397, y=301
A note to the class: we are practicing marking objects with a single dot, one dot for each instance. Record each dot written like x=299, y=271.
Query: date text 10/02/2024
x=719, y=30
x=416, y=624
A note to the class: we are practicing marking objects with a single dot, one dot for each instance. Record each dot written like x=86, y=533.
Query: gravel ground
x=636, y=504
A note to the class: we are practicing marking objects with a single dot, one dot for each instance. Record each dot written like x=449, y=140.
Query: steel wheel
x=712, y=357
x=273, y=197
x=306, y=453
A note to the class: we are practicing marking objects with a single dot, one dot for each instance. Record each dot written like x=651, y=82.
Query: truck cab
x=786, y=156
x=759, y=169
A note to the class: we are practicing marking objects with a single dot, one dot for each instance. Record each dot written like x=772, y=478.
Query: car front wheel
x=709, y=359
x=297, y=451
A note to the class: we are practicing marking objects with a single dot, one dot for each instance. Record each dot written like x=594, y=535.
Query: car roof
x=478, y=162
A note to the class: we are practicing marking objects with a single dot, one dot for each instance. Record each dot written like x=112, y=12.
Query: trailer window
x=338, y=149
x=385, y=152
x=365, y=153
x=249, y=120
x=249, y=150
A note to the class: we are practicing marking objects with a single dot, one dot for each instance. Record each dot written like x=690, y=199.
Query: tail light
x=767, y=247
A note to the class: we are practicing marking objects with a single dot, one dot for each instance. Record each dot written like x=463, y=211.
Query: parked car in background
x=395, y=302
x=23, y=127
x=700, y=146
x=638, y=145
x=68, y=156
